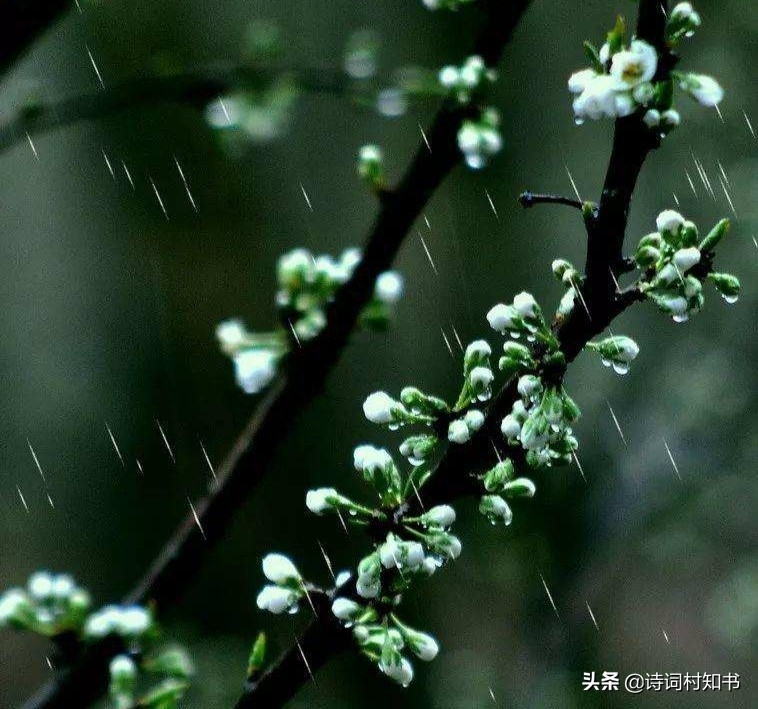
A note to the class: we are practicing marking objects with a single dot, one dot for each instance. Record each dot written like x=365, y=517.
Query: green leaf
x=257, y=656
x=617, y=36
x=594, y=56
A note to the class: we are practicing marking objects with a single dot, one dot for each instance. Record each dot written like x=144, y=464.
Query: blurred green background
x=109, y=310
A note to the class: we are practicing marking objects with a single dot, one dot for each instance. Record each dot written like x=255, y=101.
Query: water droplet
x=579, y=121
x=681, y=318
x=530, y=338
x=515, y=335
x=731, y=299
x=394, y=426
x=606, y=362
x=620, y=368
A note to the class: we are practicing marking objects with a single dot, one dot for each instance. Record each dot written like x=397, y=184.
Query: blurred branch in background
x=301, y=381
x=195, y=89
x=21, y=24
x=456, y=473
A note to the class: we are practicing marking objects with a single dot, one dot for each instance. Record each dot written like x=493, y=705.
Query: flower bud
x=381, y=408
x=669, y=221
x=503, y=317
x=496, y=509
x=520, y=487
x=439, y=516
x=496, y=478
x=684, y=259
x=715, y=235
x=321, y=500
x=279, y=569
x=277, y=599
x=345, y=609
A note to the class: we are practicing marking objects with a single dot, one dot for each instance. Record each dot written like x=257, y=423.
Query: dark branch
x=23, y=21
x=194, y=89
x=456, y=474
x=529, y=199
x=306, y=372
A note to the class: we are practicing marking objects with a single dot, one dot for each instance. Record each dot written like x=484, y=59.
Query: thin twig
x=455, y=474
x=529, y=199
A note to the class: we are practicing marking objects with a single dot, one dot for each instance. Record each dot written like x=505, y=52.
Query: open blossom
x=579, y=80
x=598, y=99
x=635, y=65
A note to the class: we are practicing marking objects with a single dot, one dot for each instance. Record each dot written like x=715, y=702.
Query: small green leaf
x=257, y=656
x=593, y=55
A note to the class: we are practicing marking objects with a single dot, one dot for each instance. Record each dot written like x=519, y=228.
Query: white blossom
x=254, y=369
x=598, y=99
x=671, y=118
x=704, y=89
x=345, y=609
x=369, y=459
x=320, y=500
x=474, y=420
x=509, y=427
x=122, y=668
x=379, y=407
x=685, y=259
x=669, y=221
x=579, y=80
x=478, y=347
x=12, y=602
x=502, y=317
x=368, y=587
x=401, y=672
x=277, y=599
x=279, y=568
x=440, y=516
x=635, y=65
x=424, y=646
x=458, y=431
x=652, y=118
x=41, y=585
x=525, y=305
x=625, y=105
x=231, y=335
x=134, y=620
x=389, y=287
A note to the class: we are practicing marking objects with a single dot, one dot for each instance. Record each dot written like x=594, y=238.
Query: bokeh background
x=108, y=312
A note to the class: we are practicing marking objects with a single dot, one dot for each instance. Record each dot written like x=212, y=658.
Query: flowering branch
x=292, y=389
x=528, y=424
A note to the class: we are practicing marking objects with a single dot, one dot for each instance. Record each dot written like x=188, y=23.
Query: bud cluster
x=50, y=604
x=307, y=284
x=468, y=81
x=675, y=261
x=286, y=589
x=172, y=667
x=623, y=77
x=617, y=351
x=480, y=139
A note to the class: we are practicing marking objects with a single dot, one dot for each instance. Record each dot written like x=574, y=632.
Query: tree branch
x=455, y=474
x=23, y=21
x=194, y=88
x=304, y=377
x=529, y=199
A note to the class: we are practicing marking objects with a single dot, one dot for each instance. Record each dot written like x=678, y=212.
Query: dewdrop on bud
x=423, y=645
x=726, y=284
x=401, y=672
x=279, y=568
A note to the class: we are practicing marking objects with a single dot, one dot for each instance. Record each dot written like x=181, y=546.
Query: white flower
x=424, y=646
x=320, y=500
x=63, y=586
x=440, y=516
x=528, y=385
x=652, y=118
x=448, y=76
x=684, y=12
x=230, y=335
x=502, y=317
x=579, y=80
x=481, y=348
x=474, y=420
x=458, y=431
x=345, y=609
x=276, y=599
x=598, y=99
x=367, y=587
x=472, y=71
x=279, y=568
x=103, y=622
x=669, y=221
x=389, y=287
x=685, y=259
x=12, y=602
x=342, y=578
x=41, y=585
x=525, y=305
x=671, y=118
x=371, y=460
x=625, y=105
x=401, y=672
x=134, y=620
x=704, y=89
x=510, y=427
x=635, y=65
x=254, y=369
x=350, y=259
x=122, y=668
x=379, y=407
